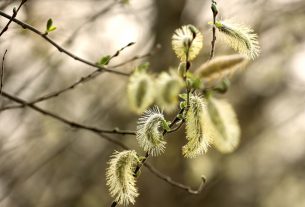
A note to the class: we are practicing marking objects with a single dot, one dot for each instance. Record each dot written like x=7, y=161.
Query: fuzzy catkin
x=224, y=119
x=239, y=37
x=199, y=129
x=169, y=86
x=140, y=91
x=120, y=178
x=221, y=67
x=187, y=42
x=149, y=132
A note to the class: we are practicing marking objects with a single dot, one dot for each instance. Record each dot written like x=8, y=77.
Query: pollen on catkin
x=140, y=91
x=221, y=67
x=239, y=37
x=169, y=86
x=199, y=129
x=120, y=178
x=150, y=131
x=224, y=119
x=187, y=42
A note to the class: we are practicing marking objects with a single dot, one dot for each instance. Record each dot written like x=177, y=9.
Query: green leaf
x=182, y=104
x=165, y=125
x=105, y=60
x=183, y=96
x=142, y=67
x=49, y=24
x=52, y=28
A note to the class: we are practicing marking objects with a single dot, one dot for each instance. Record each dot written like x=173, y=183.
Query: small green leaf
x=49, y=24
x=183, y=96
x=182, y=104
x=165, y=125
x=52, y=28
x=142, y=67
x=105, y=60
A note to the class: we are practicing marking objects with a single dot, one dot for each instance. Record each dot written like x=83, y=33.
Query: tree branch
x=61, y=49
x=15, y=12
x=2, y=72
x=71, y=123
x=215, y=12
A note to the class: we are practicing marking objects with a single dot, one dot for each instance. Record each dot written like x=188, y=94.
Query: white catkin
x=120, y=178
x=199, y=129
x=224, y=119
x=149, y=132
x=184, y=42
x=239, y=37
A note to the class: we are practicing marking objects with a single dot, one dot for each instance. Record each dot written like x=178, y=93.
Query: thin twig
x=175, y=183
x=15, y=12
x=61, y=49
x=71, y=123
x=2, y=72
x=215, y=12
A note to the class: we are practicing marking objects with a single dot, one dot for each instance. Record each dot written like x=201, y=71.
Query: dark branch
x=215, y=12
x=175, y=183
x=71, y=123
x=2, y=72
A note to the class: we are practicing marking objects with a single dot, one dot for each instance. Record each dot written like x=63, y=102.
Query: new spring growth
x=239, y=37
x=120, y=178
x=221, y=67
x=169, y=86
x=224, y=119
x=150, y=131
x=199, y=129
x=187, y=42
x=140, y=90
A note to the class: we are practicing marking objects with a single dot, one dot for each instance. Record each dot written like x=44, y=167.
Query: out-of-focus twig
x=2, y=72
x=15, y=12
x=71, y=123
x=215, y=12
x=61, y=49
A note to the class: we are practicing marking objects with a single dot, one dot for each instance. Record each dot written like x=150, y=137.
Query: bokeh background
x=46, y=163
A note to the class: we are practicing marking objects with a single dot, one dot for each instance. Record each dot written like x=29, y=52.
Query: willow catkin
x=226, y=124
x=140, y=91
x=187, y=42
x=150, y=131
x=221, y=67
x=120, y=177
x=239, y=37
x=169, y=86
x=199, y=128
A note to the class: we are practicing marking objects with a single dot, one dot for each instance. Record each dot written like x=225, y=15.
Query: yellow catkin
x=140, y=91
x=226, y=124
x=221, y=67
x=169, y=86
x=120, y=178
x=241, y=38
x=200, y=131
x=187, y=40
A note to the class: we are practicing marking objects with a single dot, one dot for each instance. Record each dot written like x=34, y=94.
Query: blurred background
x=46, y=163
